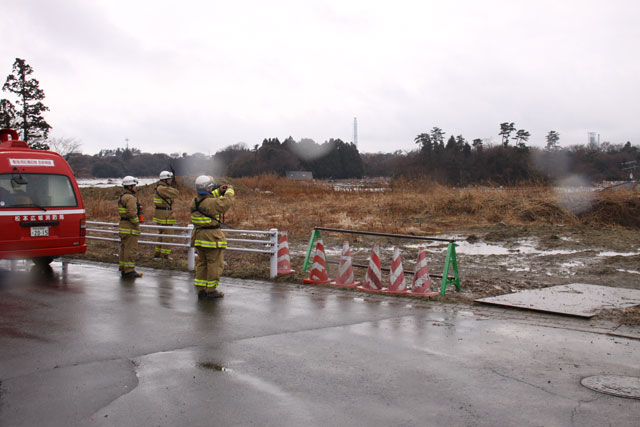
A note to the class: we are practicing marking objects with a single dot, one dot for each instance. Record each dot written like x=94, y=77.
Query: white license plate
x=39, y=231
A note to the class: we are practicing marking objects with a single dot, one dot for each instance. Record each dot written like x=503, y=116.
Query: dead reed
x=401, y=206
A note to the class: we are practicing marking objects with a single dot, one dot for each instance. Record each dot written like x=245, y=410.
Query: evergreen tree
x=451, y=144
x=437, y=137
x=553, y=139
x=505, y=132
x=477, y=144
x=29, y=105
x=7, y=114
x=522, y=136
x=426, y=146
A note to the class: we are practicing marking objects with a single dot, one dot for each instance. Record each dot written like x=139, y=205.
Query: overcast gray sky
x=198, y=75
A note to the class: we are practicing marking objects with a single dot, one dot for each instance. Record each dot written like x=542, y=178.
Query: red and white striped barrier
x=373, y=278
x=397, y=285
x=284, y=260
x=421, y=280
x=345, y=278
x=318, y=274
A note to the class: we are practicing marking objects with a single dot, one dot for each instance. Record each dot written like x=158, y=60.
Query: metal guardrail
x=184, y=233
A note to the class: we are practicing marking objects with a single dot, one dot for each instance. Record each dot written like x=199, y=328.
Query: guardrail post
x=273, y=237
x=191, y=253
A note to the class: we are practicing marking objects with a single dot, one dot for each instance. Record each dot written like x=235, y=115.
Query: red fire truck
x=42, y=214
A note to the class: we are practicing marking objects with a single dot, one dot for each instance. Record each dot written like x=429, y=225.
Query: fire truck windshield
x=40, y=191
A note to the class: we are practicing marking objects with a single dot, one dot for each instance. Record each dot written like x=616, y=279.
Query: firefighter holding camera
x=164, y=194
x=207, y=209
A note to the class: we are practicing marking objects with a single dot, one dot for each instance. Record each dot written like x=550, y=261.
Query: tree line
x=453, y=160
x=453, y=163
x=332, y=159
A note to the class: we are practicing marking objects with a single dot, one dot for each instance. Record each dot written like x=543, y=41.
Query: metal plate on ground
x=576, y=299
x=616, y=385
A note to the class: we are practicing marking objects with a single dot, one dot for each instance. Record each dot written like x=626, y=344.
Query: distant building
x=593, y=140
x=300, y=175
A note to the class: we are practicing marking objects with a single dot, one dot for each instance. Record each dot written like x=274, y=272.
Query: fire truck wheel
x=42, y=261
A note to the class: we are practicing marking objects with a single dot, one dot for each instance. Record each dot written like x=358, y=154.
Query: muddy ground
x=499, y=259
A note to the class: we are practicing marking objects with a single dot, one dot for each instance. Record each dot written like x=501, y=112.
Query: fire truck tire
x=43, y=261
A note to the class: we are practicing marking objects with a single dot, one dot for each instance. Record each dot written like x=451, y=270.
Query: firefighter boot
x=131, y=275
x=215, y=294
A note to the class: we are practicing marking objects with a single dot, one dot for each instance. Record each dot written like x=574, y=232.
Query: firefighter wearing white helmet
x=163, y=197
x=207, y=209
x=129, y=228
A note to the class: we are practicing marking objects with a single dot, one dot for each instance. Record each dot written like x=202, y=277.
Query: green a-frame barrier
x=312, y=245
x=450, y=261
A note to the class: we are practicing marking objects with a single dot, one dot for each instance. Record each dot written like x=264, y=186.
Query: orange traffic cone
x=318, y=273
x=396, y=277
x=421, y=281
x=345, y=277
x=284, y=261
x=373, y=278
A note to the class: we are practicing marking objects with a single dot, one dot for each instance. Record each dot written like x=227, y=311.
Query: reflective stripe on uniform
x=164, y=221
x=127, y=264
x=212, y=284
x=201, y=220
x=198, y=282
x=210, y=244
x=129, y=231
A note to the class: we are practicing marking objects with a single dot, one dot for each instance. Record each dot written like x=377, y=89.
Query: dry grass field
x=397, y=206
x=565, y=227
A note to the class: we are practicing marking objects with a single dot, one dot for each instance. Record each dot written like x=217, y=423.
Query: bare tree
x=64, y=146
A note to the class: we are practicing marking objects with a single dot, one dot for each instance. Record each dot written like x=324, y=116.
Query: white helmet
x=204, y=184
x=129, y=180
x=166, y=175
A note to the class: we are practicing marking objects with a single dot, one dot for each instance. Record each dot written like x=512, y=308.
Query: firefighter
x=163, y=197
x=208, y=238
x=129, y=228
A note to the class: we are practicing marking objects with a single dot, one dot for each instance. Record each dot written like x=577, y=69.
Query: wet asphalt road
x=92, y=350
